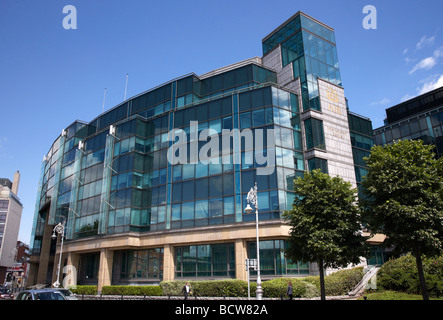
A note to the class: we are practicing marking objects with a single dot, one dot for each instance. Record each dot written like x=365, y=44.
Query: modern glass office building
x=418, y=118
x=155, y=188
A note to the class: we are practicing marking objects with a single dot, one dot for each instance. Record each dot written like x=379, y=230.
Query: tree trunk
x=421, y=274
x=322, y=280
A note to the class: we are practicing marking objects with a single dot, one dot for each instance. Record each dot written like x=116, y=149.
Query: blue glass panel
x=201, y=209
x=188, y=210
x=201, y=170
x=228, y=205
x=176, y=212
x=216, y=207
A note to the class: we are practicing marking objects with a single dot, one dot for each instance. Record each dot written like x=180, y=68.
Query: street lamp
x=252, y=199
x=60, y=229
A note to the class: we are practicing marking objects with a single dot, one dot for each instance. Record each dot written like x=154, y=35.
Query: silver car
x=68, y=294
x=41, y=294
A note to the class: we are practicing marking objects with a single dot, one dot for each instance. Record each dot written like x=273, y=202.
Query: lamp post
x=60, y=229
x=252, y=199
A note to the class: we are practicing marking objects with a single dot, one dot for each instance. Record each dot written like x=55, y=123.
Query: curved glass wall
x=107, y=181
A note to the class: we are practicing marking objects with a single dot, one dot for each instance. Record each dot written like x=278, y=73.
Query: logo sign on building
x=336, y=130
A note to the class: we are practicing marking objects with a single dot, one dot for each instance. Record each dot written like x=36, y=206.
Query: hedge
x=340, y=282
x=132, y=290
x=120, y=290
x=88, y=290
x=210, y=288
x=276, y=288
x=401, y=275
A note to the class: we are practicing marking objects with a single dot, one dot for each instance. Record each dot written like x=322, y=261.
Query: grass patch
x=393, y=295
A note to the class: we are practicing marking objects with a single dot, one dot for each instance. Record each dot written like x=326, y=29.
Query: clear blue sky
x=50, y=77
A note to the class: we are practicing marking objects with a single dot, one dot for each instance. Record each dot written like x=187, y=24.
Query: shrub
x=132, y=290
x=211, y=288
x=221, y=288
x=276, y=288
x=172, y=288
x=338, y=283
x=238, y=288
x=401, y=275
x=88, y=290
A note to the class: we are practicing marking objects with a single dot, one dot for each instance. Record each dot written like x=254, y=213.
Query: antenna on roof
x=104, y=97
x=126, y=87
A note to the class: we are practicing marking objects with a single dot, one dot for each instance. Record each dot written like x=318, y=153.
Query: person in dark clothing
x=289, y=292
x=186, y=290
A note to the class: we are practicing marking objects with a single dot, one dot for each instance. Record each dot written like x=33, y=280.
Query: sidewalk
x=124, y=297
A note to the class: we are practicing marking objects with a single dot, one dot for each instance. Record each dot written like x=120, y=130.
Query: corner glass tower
x=309, y=46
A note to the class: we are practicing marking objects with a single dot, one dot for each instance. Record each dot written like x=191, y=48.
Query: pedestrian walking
x=289, y=291
x=186, y=290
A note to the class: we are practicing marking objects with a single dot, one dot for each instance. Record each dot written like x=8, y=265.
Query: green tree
x=325, y=223
x=404, y=199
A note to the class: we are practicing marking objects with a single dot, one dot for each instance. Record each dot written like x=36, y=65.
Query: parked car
x=41, y=294
x=68, y=294
x=6, y=294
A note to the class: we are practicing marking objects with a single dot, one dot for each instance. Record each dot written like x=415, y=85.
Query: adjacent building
x=10, y=216
x=155, y=188
x=418, y=118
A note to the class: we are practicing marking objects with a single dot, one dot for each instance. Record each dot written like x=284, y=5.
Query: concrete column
x=16, y=183
x=168, y=263
x=105, y=268
x=44, y=252
x=72, y=263
x=32, y=274
x=240, y=257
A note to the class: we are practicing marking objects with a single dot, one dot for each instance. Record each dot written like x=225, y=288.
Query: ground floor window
x=207, y=261
x=89, y=267
x=273, y=261
x=140, y=264
x=377, y=256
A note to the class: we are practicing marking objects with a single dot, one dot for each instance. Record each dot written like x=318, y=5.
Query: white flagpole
x=126, y=87
x=104, y=97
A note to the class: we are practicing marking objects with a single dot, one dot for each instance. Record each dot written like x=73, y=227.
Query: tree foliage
x=325, y=222
x=404, y=198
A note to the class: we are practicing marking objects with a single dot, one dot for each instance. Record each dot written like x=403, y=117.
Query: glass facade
x=314, y=134
x=427, y=126
x=205, y=261
x=273, y=261
x=310, y=47
x=127, y=183
x=362, y=141
x=146, y=264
